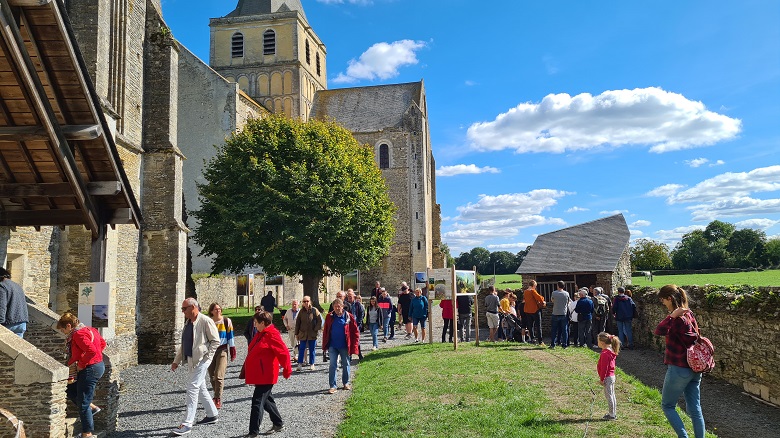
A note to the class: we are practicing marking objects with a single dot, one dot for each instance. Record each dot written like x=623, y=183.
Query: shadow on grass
x=388, y=353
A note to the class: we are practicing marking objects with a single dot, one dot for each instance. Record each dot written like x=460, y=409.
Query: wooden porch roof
x=58, y=161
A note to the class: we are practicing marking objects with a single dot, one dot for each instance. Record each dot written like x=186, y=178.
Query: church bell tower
x=269, y=49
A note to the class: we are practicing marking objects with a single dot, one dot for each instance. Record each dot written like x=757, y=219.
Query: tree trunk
x=311, y=287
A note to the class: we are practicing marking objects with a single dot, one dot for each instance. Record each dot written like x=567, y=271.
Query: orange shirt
x=533, y=301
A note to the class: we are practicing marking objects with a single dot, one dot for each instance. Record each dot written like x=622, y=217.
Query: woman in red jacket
x=86, y=354
x=261, y=368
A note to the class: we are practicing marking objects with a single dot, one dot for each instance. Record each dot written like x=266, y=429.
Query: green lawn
x=511, y=281
x=754, y=278
x=496, y=390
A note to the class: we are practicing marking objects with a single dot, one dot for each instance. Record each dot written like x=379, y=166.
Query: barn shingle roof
x=594, y=246
x=367, y=109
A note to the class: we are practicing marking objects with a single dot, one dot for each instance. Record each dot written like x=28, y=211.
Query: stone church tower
x=269, y=49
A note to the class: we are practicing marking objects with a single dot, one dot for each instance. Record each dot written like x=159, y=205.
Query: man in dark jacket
x=623, y=309
x=13, y=305
x=464, y=303
x=584, y=309
x=269, y=302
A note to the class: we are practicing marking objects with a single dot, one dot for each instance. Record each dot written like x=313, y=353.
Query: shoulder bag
x=701, y=354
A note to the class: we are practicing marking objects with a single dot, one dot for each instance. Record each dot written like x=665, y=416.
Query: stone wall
x=30, y=255
x=223, y=291
x=745, y=344
x=32, y=382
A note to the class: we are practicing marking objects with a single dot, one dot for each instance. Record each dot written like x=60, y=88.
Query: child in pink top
x=610, y=348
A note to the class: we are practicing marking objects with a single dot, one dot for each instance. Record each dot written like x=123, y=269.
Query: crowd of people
x=207, y=342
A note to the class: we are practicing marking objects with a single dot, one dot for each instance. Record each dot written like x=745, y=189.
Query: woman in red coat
x=261, y=368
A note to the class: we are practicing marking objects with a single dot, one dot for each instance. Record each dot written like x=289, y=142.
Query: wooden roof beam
x=30, y=133
x=57, y=190
x=10, y=32
x=26, y=3
x=37, y=218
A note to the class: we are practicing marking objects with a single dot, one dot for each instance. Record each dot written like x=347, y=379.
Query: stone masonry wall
x=32, y=254
x=745, y=344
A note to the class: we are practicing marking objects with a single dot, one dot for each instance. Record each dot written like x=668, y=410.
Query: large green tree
x=692, y=252
x=295, y=198
x=647, y=254
x=746, y=247
x=504, y=262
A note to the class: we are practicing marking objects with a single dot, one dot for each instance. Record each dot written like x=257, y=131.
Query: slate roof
x=367, y=109
x=261, y=7
x=594, y=246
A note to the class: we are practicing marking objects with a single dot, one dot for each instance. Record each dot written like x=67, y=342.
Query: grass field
x=496, y=390
x=756, y=278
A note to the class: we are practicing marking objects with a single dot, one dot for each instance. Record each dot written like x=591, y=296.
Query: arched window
x=237, y=45
x=384, y=156
x=308, y=53
x=269, y=42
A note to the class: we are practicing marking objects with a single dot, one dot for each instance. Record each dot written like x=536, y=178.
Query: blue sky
x=547, y=114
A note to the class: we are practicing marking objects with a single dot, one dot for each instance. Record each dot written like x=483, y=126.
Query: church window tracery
x=269, y=42
x=237, y=45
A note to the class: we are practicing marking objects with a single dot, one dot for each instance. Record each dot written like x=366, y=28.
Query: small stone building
x=594, y=253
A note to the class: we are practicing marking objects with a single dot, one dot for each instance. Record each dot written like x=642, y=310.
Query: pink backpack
x=701, y=353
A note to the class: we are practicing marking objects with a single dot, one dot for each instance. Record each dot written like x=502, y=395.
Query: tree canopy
x=650, y=255
x=295, y=198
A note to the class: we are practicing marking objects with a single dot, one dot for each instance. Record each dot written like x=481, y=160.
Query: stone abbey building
x=161, y=110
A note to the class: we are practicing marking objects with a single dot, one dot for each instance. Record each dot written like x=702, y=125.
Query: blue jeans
x=385, y=324
x=682, y=381
x=19, y=328
x=625, y=334
x=559, y=330
x=311, y=345
x=344, y=353
x=82, y=392
x=374, y=327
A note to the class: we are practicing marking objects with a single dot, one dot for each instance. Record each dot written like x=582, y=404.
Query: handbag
x=701, y=354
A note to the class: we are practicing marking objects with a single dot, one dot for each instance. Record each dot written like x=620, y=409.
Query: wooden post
x=476, y=308
x=454, y=327
x=97, y=263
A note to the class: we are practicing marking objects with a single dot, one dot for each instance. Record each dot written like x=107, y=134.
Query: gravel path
x=152, y=400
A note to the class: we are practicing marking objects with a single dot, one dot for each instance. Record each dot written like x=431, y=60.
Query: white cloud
x=640, y=223
x=500, y=217
x=446, y=218
x=664, y=120
x=636, y=233
x=512, y=205
x=550, y=64
x=717, y=163
x=512, y=247
x=381, y=61
x=576, y=209
x=612, y=212
x=665, y=190
x=734, y=207
x=469, y=83
x=731, y=185
x=461, y=169
x=757, y=224
x=696, y=162
x=671, y=237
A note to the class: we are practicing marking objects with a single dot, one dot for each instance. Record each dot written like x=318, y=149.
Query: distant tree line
x=719, y=245
x=504, y=262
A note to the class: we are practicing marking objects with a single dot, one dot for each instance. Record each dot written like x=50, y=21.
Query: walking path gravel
x=152, y=399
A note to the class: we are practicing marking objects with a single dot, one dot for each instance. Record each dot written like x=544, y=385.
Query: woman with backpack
x=679, y=328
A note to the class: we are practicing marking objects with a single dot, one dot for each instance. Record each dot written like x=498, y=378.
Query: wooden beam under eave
x=24, y=3
x=34, y=218
x=57, y=190
x=31, y=133
x=19, y=57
